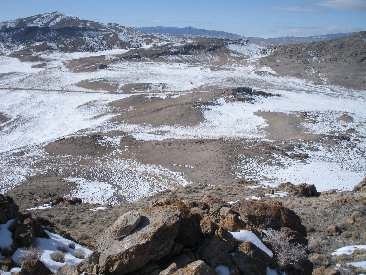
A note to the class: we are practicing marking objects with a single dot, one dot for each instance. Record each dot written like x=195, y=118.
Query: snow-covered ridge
x=64, y=29
x=40, y=20
x=58, y=20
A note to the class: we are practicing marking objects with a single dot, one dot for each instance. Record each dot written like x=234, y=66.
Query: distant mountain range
x=296, y=40
x=189, y=31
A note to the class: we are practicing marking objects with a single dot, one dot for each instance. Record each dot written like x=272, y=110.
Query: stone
x=68, y=270
x=207, y=226
x=269, y=215
x=151, y=241
x=34, y=267
x=320, y=260
x=306, y=190
x=90, y=264
x=171, y=269
x=300, y=190
x=333, y=230
x=75, y=201
x=23, y=234
x=196, y=268
x=215, y=251
x=57, y=200
x=361, y=187
x=232, y=222
x=125, y=224
x=189, y=234
x=326, y=271
x=250, y=259
x=8, y=209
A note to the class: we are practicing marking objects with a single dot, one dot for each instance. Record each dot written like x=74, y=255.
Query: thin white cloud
x=357, y=5
x=294, y=9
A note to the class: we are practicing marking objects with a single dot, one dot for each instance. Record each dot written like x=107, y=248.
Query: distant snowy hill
x=189, y=31
x=69, y=33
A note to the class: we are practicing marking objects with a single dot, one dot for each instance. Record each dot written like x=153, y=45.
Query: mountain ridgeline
x=189, y=31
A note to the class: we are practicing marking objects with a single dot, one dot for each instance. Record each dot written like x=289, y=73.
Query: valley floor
x=134, y=128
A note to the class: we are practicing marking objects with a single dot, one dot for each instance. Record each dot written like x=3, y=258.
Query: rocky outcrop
x=23, y=227
x=190, y=237
x=179, y=237
x=269, y=215
x=34, y=267
x=300, y=190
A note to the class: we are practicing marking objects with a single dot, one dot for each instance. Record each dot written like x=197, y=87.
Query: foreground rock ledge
x=180, y=237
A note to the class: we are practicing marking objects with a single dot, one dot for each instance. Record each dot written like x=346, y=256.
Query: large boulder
x=300, y=190
x=250, y=259
x=268, y=215
x=8, y=209
x=152, y=239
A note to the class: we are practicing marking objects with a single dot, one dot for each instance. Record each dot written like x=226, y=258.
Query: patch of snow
x=277, y=195
x=45, y=206
x=248, y=236
x=222, y=270
x=97, y=208
x=266, y=70
x=77, y=55
x=253, y=198
x=358, y=264
x=93, y=191
x=348, y=250
x=110, y=141
x=147, y=136
x=255, y=186
x=38, y=116
x=48, y=246
x=13, y=65
x=15, y=270
x=251, y=51
x=232, y=202
x=6, y=239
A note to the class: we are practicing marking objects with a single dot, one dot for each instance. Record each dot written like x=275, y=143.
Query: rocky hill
x=56, y=31
x=341, y=61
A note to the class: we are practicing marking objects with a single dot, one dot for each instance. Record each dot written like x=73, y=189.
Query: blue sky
x=264, y=18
